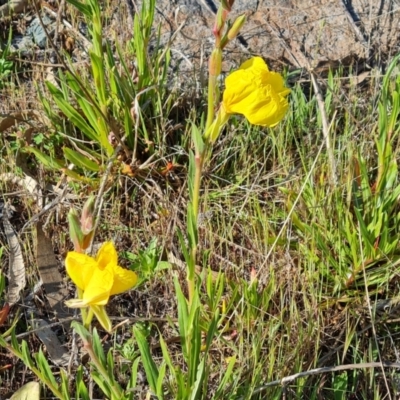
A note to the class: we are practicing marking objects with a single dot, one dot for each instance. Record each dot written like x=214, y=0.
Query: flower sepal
x=102, y=317
x=77, y=303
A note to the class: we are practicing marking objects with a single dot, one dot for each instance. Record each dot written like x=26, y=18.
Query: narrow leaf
x=148, y=362
x=80, y=160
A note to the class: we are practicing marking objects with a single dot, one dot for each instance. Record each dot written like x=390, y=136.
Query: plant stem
x=211, y=100
x=88, y=319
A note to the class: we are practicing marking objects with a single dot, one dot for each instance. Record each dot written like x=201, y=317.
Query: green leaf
x=80, y=160
x=110, y=364
x=26, y=355
x=81, y=331
x=71, y=113
x=102, y=383
x=192, y=227
x=81, y=389
x=133, y=380
x=193, y=334
x=79, y=178
x=182, y=318
x=197, y=139
x=184, y=248
x=148, y=362
x=98, y=347
x=86, y=103
x=83, y=8
x=98, y=76
x=340, y=385
x=65, y=385
x=198, y=384
x=224, y=382
x=44, y=159
x=160, y=380
x=45, y=368
x=191, y=174
x=167, y=357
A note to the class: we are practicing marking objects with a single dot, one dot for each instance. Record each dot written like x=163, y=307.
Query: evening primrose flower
x=256, y=93
x=97, y=279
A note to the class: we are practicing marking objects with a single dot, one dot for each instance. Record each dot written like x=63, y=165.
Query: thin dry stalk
x=287, y=379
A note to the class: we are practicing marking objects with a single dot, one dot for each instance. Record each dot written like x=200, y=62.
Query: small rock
x=36, y=31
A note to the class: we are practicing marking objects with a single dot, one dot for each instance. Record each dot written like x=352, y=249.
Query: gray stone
x=321, y=33
x=36, y=31
x=22, y=43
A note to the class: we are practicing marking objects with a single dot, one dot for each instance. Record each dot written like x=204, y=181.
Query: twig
x=286, y=380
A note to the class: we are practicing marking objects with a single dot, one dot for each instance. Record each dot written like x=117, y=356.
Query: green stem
x=83, y=310
x=88, y=319
x=212, y=80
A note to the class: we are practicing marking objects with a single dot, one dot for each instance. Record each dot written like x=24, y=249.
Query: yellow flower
x=256, y=93
x=97, y=279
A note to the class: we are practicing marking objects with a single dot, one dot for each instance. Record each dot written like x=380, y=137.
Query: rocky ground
x=299, y=33
x=320, y=33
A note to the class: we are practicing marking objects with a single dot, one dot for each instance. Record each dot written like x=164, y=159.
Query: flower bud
x=253, y=277
x=87, y=240
x=219, y=23
x=75, y=231
x=237, y=25
x=87, y=217
x=227, y=4
x=215, y=63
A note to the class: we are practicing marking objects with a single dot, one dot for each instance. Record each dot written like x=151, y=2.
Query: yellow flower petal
x=98, y=278
x=107, y=255
x=256, y=93
x=97, y=291
x=124, y=280
x=80, y=268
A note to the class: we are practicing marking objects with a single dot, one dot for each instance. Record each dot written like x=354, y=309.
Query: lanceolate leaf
x=71, y=113
x=80, y=160
x=44, y=159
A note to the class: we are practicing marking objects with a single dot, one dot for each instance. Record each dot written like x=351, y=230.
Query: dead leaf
x=16, y=271
x=4, y=313
x=30, y=391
